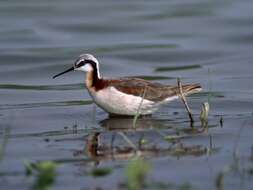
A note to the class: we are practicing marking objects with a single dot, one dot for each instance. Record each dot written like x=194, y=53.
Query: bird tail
x=174, y=92
x=190, y=89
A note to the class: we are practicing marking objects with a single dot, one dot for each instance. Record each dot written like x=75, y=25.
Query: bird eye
x=79, y=63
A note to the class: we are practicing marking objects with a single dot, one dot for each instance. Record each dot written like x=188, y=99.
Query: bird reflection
x=92, y=145
x=126, y=123
x=152, y=138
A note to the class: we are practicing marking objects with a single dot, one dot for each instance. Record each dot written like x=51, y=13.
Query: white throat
x=88, y=68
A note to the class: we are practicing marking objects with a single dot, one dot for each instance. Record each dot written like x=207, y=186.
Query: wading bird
x=126, y=96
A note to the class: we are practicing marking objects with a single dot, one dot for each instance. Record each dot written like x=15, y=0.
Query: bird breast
x=113, y=101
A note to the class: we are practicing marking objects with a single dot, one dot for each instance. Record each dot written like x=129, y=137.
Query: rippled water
x=206, y=41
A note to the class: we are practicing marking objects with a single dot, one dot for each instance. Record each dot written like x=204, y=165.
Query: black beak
x=70, y=69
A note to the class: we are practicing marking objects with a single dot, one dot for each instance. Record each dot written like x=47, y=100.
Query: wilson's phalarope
x=125, y=96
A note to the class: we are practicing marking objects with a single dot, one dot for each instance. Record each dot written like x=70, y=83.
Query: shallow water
x=209, y=42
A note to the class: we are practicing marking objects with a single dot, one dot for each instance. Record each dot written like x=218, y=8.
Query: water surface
x=209, y=42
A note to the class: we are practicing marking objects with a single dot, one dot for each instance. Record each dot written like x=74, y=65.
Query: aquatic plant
x=44, y=172
x=136, y=116
x=235, y=167
x=203, y=116
x=185, y=186
x=136, y=172
x=100, y=172
x=183, y=98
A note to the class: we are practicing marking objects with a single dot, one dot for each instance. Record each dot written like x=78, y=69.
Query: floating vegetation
x=185, y=186
x=172, y=138
x=100, y=172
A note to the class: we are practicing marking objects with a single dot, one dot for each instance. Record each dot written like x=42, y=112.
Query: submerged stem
x=139, y=108
x=183, y=98
x=128, y=140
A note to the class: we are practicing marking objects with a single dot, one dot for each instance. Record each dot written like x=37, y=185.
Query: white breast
x=116, y=102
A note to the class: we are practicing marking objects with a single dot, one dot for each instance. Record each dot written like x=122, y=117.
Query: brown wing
x=153, y=91
x=136, y=87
